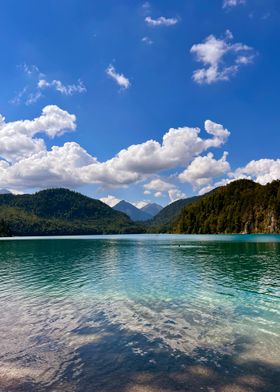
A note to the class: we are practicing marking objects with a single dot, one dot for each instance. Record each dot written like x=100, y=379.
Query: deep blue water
x=140, y=313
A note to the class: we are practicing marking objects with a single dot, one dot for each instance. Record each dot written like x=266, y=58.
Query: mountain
x=242, y=206
x=61, y=211
x=152, y=209
x=164, y=220
x=5, y=192
x=4, y=229
x=133, y=212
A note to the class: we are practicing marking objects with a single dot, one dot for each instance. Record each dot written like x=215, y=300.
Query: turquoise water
x=140, y=313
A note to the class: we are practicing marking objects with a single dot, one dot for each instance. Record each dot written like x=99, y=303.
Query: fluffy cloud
x=204, y=169
x=17, y=138
x=140, y=204
x=160, y=186
x=61, y=166
x=221, y=59
x=120, y=79
x=110, y=200
x=232, y=3
x=28, y=163
x=176, y=194
x=262, y=170
x=161, y=21
x=179, y=146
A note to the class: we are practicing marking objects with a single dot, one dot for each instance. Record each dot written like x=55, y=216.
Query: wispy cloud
x=146, y=6
x=161, y=21
x=232, y=3
x=221, y=58
x=119, y=78
x=147, y=40
x=37, y=82
x=57, y=85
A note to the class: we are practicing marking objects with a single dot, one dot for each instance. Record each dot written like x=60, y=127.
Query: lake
x=140, y=313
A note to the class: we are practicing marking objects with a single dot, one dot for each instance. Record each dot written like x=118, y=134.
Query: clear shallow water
x=140, y=313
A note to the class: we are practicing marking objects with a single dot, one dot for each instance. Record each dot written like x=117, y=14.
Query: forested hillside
x=242, y=206
x=163, y=221
x=61, y=211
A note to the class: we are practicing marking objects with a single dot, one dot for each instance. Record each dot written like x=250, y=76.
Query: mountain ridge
x=135, y=214
x=241, y=207
x=61, y=211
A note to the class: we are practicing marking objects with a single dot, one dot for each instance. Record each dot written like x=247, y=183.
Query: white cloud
x=161, y=21
x=158, y=194
x=29, y=164
x=232, y=3
x=140, y=204
x=221, y=59
x=147, y=41
x=57, y=85
x=204, y=169
x=160, y=186
x=37, y=82
x=176, y=194
x=17, y=138
x=262, y=170
x=110, y=200
x=33, y=98
x=121, y=80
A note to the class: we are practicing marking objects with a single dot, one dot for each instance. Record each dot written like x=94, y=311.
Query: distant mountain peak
x=152, y=209
x=5, y=192
x=133, y=212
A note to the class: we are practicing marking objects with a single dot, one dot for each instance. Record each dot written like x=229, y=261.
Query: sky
x=142, y=101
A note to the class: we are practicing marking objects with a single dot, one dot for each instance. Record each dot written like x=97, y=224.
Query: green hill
x=4, y=229
x=61, y=211
x=165, y=219
x=242, y=206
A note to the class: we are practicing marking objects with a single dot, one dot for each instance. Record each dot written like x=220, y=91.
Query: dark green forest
x=163, y=221
x=61, y=211
x=242, y=206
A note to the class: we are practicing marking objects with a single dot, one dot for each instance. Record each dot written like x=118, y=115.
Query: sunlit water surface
x=140, y=313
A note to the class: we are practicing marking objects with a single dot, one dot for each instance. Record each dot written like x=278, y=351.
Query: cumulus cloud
x=232, y=3
x=179, y=146
x=262, y=170
x=61, y=166
x=17, y=137
x=160, y=186
x=27, y=163
x=204, y=169
x=221, y=58
x=176, y=194
x=161, y=21
x=110, y=200
x=140, y=204
x=119, y=78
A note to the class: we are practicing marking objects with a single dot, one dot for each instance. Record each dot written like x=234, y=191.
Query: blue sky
x=130, y=71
